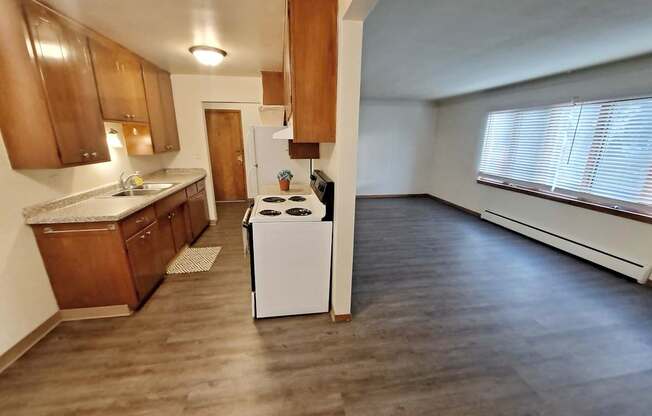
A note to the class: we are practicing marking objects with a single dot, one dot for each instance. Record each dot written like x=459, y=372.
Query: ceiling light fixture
x=208, y=55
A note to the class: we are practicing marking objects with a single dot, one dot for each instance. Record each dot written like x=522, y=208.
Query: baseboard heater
x=635, y=270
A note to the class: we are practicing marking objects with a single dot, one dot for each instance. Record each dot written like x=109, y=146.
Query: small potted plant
x=284, y=177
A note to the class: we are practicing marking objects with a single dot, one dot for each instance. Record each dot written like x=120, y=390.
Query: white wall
x=190, y=93
x=460, y=127
x=339, y=160
x=395, y=147
x=26, y=298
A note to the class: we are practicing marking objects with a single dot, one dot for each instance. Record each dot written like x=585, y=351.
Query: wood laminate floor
x=452, y=316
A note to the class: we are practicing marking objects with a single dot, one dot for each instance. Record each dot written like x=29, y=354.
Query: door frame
x=210, y=160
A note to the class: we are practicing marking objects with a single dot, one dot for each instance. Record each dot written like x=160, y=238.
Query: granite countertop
x=97, y=205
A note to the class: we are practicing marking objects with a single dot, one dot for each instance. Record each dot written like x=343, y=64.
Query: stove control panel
x=324, y=188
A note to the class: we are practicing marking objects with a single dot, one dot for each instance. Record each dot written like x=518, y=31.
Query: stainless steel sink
x=159, y=186
x=138, y=192
x=145, y=189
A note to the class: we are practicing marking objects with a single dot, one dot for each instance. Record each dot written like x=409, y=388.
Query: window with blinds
x=595, y=152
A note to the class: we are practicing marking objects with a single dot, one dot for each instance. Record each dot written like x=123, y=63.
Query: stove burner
x=298, y=212
x=270, y=212
x=297, y=198
x=274, y=199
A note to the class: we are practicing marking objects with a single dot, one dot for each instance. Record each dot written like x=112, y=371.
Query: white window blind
x=598, y=152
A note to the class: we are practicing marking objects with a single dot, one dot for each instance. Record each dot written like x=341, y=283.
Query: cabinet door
x=157, y=123
x=119, y=82
x=198, y=206
x=273, y=91
x=167, y=247
x=66, y=70
x=146, y=265
x=186, y=217
x=87, y=264
x=313, y=69
x=287, y=70
x=178, y=222
x=170, y=118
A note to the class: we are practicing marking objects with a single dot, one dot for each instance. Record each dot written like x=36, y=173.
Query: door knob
x=240, y=158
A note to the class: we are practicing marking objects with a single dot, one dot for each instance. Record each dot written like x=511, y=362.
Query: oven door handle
x=245, y=219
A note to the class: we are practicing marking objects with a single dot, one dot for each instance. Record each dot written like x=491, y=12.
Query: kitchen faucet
x=126, y=179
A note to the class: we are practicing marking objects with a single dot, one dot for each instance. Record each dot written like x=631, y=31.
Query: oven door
x=248, y=243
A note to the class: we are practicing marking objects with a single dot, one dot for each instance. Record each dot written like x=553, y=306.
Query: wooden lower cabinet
x=178, y=222
x=87, y=264
x=167, y=249
x=172, y=219
x=147, y=267
x=198, y=207
x=120, y=263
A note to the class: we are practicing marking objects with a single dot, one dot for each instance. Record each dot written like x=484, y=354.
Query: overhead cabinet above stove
x=310, y=75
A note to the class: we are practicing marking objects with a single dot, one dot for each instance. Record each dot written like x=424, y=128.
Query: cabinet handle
x=93, y=155
x=142, y=236
x=85, y=155
x=140, y=220
x=50, y=230
x=148, y=233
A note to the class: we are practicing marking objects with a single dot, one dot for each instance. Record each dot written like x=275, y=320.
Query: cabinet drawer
x=191, y=190
x=164, y=206
x=136, y=222
x=201, y=185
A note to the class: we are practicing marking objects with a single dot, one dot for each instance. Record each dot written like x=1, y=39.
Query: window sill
x=632, y=215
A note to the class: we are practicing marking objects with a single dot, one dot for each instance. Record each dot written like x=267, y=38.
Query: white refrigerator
x=271, y=156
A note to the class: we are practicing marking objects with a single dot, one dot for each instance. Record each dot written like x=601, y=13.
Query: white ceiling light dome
x=208, y=55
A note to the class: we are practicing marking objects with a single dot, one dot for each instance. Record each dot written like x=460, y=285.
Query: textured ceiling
x=251, y=31
x=432, y=49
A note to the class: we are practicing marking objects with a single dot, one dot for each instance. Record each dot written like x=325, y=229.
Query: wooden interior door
x=226, y=149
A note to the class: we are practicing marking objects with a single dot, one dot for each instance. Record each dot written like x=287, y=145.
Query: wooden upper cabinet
x=273, y=91
x=65, y=65
x=287, y=72
x=59, y=82
x=310, y=69
x=157, y=127
x=49, y=107
x=119, y=82
x=167, y=102
x=162, y=134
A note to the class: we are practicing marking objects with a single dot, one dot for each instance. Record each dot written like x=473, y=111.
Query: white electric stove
x=289, y=240
x=282, y=208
